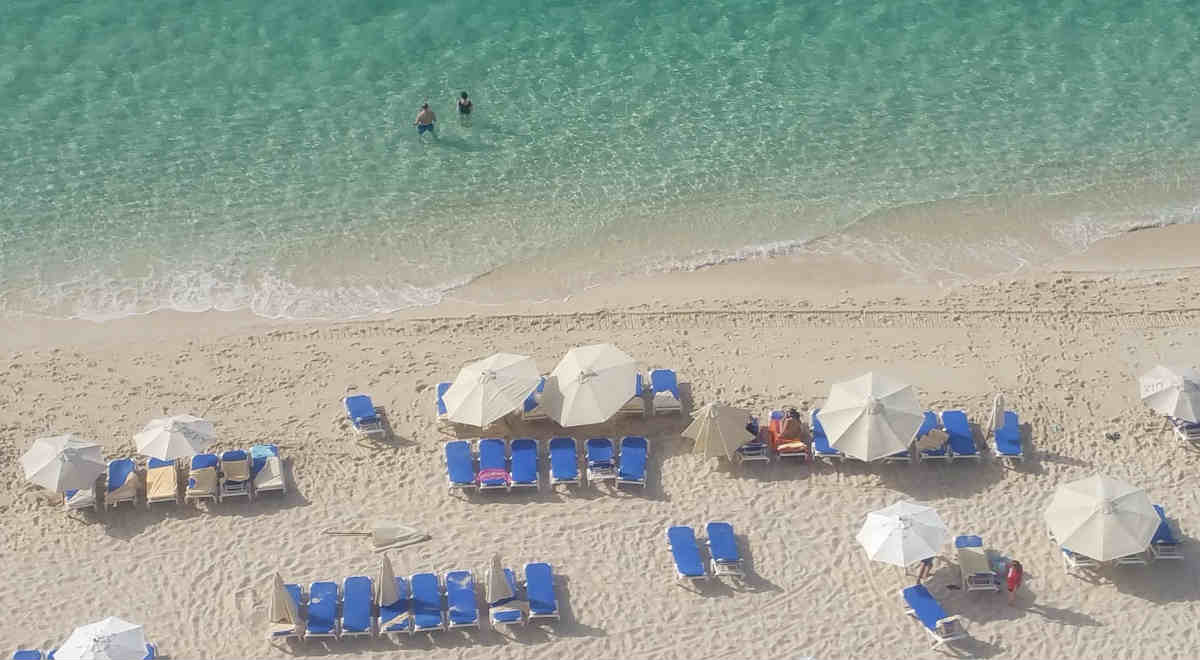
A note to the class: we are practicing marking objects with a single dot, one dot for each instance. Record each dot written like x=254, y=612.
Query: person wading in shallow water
x=464, y=109
x=424, y=121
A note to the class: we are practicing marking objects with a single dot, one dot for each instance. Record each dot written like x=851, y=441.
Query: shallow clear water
x=262, y=155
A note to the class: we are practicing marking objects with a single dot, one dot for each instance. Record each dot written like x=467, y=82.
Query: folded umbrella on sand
x=283, y=614
x=719, y=430
x=1102, y=518
x=589, y=385
x=386, y=535
x=107, y=639
x=1172, y=391
x=489, y=389
x=63, y=463
x=871, y=417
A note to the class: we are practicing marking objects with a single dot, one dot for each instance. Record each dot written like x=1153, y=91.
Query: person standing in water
x=425, y=120
x=464, y=109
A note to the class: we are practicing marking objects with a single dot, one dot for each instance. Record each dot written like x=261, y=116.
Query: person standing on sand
x=926, y=569
x=424, y=121
x=1015, y=573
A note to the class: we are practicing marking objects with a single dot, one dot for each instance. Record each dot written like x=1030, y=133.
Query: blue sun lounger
x=532, y=409
x=681, y=541
x=665, y=386
x=1007, y=439
x=722, y=547
x=500, y=611
x=322, y=610
x=460, y=465
x=1164, y=544
x=922, y=605
x=203, y=481
x=428, y=615
x=121, y=484
x=820, y=444
x=296, y=593
x=962, y=443
x=564, y=461
x=440, y=407
x=539, y=587
x=357, y=597
x=600, y=464
x=235, y=475
x=525, y=469
x=493, y=465
x=396, y=617
x=27, y=654
x=363, y=416
x=928, y=424
x=461, y=601
x=632, y=468
x=266, y=469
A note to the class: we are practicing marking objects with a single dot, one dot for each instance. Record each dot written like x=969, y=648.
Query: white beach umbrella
x=489, y=389
x=719, y=430
x=1102, y=518
x=179, y=436
x=385, y=586
x=1172, y=391
x=902, y=533
x=498, y=588
x=871, y=416
x=63, y=463
x=589, y=385
x=283, y=608
x=107, y=639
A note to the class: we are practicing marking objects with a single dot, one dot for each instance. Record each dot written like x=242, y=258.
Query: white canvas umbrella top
x=719, y=430
x=107, y=639
x=1172, y=391
x=871, y=416
x=902, y=533
x=179, y=436
x=1102, y=518
x=63, y=463
x=283, y=608
x=385, y=587
x=589, y=385
x=489, y=389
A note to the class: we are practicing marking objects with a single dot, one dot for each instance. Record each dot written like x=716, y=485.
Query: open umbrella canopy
x=903, y=533
x=179, y=436
x=1102, y=518
x=63, y=463
x=590, y=385
x=871, y=416
x=107, y=639
x=719, y=430
x=283, y=608
x=489, y=389
x=1172, y=391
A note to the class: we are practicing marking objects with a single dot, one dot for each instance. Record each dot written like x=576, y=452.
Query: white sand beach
x=1064, y=345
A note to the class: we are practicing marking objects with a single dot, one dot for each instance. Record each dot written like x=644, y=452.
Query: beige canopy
x=719, y=430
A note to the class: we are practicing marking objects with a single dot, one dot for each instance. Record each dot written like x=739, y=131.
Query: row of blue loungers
x=960, y=443
x=504, y=465
x=34, y=654
x=426, y=604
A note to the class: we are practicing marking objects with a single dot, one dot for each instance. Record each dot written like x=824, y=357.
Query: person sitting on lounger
x=793, y=427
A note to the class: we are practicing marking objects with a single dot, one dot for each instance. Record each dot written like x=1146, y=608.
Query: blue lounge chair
x=637, y=403
x=525, y=469
x=266, y=469
x=322, y=610
x=289, y=632
x=539, y=587
x=122, y=483
x=532, y=409
x=364, y=418
x=722, y=547
x=235, y=475
x=396, y=617
x=941, y=628
x=81, y=498
x=357, y=594
x=681, y=541
x=501, y=611
x=962, y=443
x=665, y=387
x=428, y=614
x=1006, y=440
x=820, y=443
x=600, y=464
x=460, y=465
x=461, y=601
x=940, y=453
x=974, y=566
x=632, y=468
x=1164, y=544
x=27, y=654
x=203, y=481
x=564, y=461
x=162, y=482
x=442, y=414
x=493, y=465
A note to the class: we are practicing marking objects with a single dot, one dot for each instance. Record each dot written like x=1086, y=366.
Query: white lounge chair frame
x=280, y=485
x=1185, y=431
x=85, y=498
x=550, y=467
x=1073, y=560
x=601, y=474
x=948, y=629
x=617, y=448
x=375, y=428
x=113, y=498
x=902, y=458
x=174, y=497
x=195, y=496
x=1136, y=559
x=976, y=580
x=451, y=486
x=245, y=488
x=1166, y=551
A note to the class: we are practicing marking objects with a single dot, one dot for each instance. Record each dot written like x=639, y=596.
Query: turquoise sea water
x=238, y=154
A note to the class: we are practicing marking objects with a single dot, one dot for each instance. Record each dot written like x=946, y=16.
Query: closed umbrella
x=903, y=533
x=107, y=639
x=63, y=463
x=1172, y=391
x=283, y=607
x=385, y=587
x=871, y=416
x=590, y=385
x=1102, y=518
x=489, y=389
x=499, y=591
x=179, y=436
x=719, y=430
